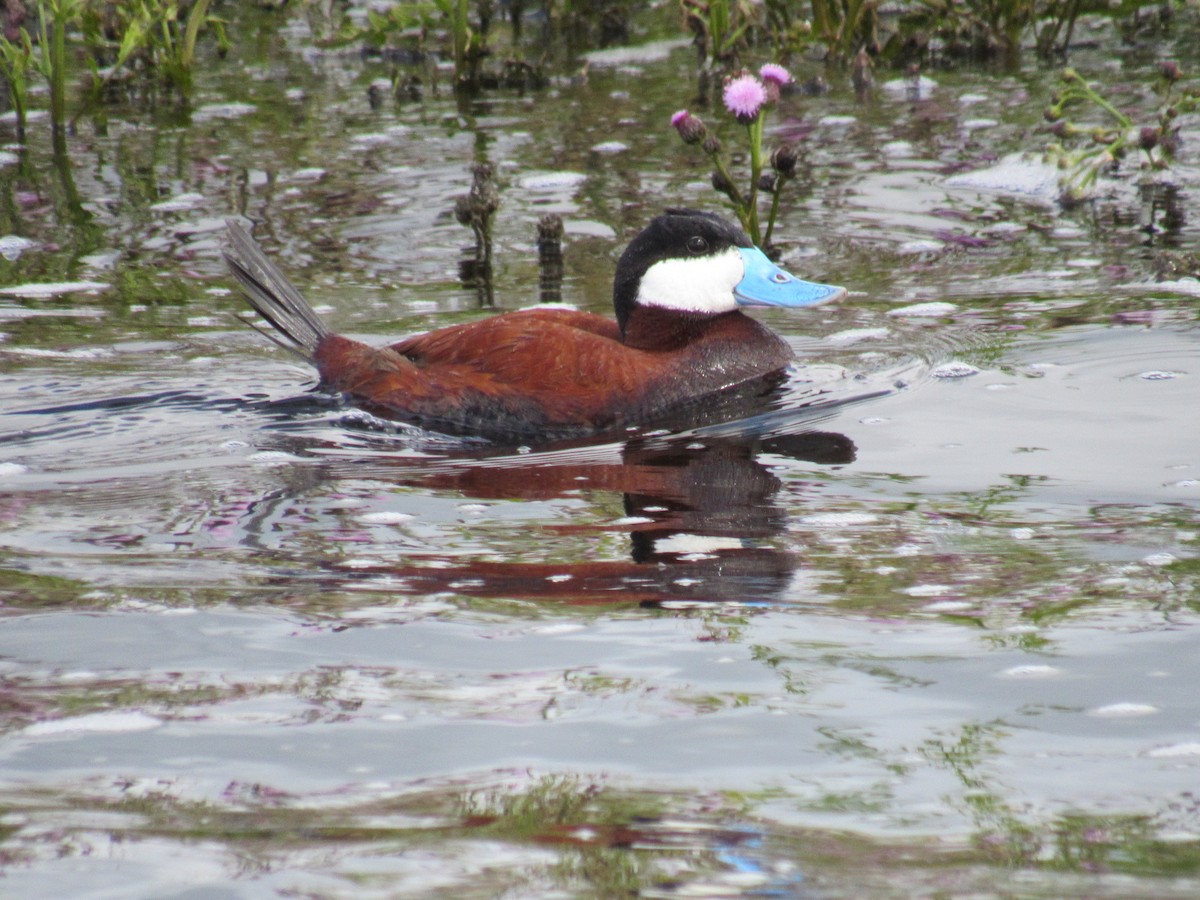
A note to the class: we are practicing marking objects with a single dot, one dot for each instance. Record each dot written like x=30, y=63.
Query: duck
x=679, y=338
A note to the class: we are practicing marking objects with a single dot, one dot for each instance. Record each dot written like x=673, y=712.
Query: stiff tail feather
x=271, y=294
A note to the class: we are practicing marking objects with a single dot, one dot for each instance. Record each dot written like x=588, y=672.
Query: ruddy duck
x=553, y=373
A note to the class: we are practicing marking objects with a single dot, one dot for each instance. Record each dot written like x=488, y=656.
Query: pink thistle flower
x=775, y=74
x=744, y=96
x=774, y=78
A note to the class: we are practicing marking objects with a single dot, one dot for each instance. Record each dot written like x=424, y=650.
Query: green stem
x=779, y=183
x=1083, y=89
x=196, y=20
x=738, y=202
x=16, y=58
x=461, y=34
x=58, y=64
x=822, y=19
x=1123, y=120
x=725, y=173
x=755, y=130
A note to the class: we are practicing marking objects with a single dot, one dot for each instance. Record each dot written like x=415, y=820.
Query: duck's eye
x=697, y=244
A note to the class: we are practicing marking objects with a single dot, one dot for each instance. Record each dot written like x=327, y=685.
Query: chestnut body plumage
x=551, y=373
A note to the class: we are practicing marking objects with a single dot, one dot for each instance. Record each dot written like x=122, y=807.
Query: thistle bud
x=690, y=127
x=767, y=182
x=1170, y=71
x=783, y=160
x=721, y=183
x=712, y=146
x=1148, y=138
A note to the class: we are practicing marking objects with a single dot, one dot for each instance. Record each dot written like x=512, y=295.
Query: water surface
x=923, y=627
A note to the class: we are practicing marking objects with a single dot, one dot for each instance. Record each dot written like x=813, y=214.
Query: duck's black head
x=698, y=264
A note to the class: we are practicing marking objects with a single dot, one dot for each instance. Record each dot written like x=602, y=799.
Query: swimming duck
x=552, y=373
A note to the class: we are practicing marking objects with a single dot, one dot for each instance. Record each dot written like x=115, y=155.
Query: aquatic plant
x=550, y=258
x=747, y=97
x=786, y=27
x=49, y=58
x=467, y=51
x=476, y=210
x=719, y=26
x=174, y=50
x=990, y=28
x=915, y=30
x=587, y=23
x=383, y=25
x=413, y=21
x=54, y=52
x=845, y=26
x=162, y=34
x=1059, y=22
x=1084, y=152
x=16, y=56
x=980, y=28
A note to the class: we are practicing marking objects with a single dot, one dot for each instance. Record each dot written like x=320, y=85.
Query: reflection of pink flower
x=744, y=96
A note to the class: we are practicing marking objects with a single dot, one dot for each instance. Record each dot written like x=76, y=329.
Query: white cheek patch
x=699, y=284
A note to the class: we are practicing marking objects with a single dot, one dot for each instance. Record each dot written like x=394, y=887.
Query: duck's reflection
x=699, y=512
